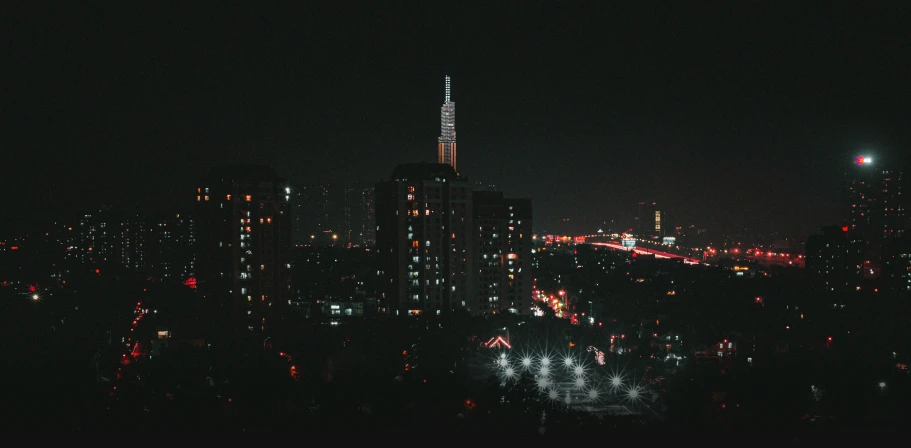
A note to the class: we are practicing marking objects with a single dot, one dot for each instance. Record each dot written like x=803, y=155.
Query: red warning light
x=844, y=228
x=830, y=338
x=859, y=160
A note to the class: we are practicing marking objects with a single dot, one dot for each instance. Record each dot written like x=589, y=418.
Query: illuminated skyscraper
x=446, y=146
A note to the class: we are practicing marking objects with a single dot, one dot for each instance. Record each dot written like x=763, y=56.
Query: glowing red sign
x=190, y=282
x=497, y=341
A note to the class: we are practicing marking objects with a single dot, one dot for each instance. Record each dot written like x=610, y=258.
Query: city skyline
x=682, y=121
x=252, y=217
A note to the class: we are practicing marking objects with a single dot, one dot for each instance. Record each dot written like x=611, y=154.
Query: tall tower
x=446, y=146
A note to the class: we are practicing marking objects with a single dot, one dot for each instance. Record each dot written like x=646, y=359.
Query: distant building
x=874, y=209
x=424, y=240
x=446, y=144
x=311, y=209
x=133, y=245
x=483, y=186
x=244, y=243
x=896, y=269
x=95, y=239
x=159, y=248
x=834, y=260
x=442, y=247
x=332, y=215
x=650, y=221
x=358, y=221
x=340, y=275
x=503, y=253
x=168, y=246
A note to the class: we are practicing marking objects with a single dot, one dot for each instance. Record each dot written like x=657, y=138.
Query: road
x=656, y=253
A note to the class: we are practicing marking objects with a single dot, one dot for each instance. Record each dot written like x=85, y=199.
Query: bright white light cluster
x=571, y=378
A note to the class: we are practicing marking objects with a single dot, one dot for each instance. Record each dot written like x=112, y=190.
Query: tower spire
x=446, y=144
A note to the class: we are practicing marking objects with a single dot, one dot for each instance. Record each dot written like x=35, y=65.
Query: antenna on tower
x=447, y=88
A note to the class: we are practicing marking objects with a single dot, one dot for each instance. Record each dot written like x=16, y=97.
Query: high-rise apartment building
x=874, y=207
x=133, y=244
x=503, y=253
x=169, y=247
x=366, y=223
x=443, y=247
x=835, y=260
x=243, y=259
x=94, y=239
x=310, y=215
x=896, y=269
x=892, y=205
x=446, y=144
x=424, y=240
x=357, y=227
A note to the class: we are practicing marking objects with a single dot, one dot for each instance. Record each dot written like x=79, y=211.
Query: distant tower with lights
x=446, y=144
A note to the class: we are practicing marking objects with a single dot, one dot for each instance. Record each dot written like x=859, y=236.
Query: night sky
x=743, y=116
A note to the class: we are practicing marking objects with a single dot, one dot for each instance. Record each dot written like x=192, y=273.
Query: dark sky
x=743, y=116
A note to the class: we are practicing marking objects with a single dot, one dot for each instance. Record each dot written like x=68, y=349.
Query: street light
x=35, y=296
